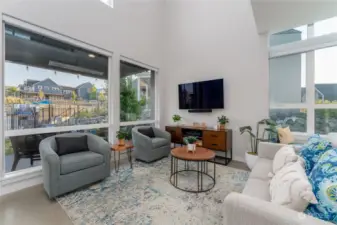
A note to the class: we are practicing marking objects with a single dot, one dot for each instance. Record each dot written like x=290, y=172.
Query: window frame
x=156, y=100
x=15, y=175
x=307, y=46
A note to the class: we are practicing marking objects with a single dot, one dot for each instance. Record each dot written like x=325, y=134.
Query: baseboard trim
x=20, y=180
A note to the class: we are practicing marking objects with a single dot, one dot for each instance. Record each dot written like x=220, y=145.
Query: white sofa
x=253, y=206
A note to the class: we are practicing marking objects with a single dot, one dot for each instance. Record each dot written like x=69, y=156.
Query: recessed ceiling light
x=91, y=55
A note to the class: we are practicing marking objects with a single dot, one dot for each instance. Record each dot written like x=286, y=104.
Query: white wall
x=132, y=28
x=217, y=39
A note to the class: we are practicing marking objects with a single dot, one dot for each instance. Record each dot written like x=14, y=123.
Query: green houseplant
x=121, y=136
x=176, y=118
x=251, y=156
x=222, y=120
x=191, y=143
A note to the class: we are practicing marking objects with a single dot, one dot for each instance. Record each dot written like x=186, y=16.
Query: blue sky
x=16, y=74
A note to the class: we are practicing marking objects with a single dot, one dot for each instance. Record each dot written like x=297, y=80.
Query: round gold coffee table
x=201, y=157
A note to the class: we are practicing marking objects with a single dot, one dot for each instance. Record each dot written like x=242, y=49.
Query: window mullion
x=310, y=93
x=2, y=106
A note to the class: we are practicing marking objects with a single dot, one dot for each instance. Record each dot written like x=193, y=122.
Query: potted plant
x=251, y=156
x=121, y=136
x=191, y=143
x=176, y=118
x=222, y=120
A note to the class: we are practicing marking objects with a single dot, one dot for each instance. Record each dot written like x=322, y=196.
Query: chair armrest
x=140, y=139
x=99, y=145
x=268, y=150
x=48, y=154
x=51, y=169
x=161, y=133
x=242, y=209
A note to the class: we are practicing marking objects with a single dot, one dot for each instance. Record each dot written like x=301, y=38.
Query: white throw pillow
x=285, y=155
x=291, y=188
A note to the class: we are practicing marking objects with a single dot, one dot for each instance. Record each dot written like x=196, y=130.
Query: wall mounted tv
x=202, y=96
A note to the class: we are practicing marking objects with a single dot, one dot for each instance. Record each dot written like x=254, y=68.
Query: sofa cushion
x=257, y=188
x=313, y=150
x=261, y=169
x=147, y=131
x=69, y=145
x=324, y=181
x=159, y=142
x=285, y=155
x=78, y=161
x=291, y=188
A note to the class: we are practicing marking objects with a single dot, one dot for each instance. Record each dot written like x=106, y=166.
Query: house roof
x=290, y=31
x=48, y=79
x=30, y=82
x=79, y=86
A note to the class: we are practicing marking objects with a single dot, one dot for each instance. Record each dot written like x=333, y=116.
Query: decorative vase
x=191, y=147
x=222, y=126
x=121, y=142
x=250, y=160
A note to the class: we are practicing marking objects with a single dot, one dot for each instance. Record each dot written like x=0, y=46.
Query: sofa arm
x=50, y=166
x=268, y=150
x=99, y=145
x=245, y=210
x=161, y=133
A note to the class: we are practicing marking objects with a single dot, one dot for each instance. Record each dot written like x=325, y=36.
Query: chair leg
x=15, y=163
x=31, y=161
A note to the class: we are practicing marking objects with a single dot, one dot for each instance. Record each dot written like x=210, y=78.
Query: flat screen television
x=202, y=95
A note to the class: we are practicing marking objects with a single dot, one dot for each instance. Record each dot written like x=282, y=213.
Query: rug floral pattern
x=144, y=195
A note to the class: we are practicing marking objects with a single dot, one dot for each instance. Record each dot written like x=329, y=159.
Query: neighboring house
x=84, y=90
x=67, y=91
x=53, y=91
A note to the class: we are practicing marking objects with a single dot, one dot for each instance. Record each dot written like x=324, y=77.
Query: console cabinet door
x=176, y=134
x=214, y=140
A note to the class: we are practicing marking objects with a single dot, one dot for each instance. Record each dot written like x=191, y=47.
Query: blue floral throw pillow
x=312, y=151
x=323, y=178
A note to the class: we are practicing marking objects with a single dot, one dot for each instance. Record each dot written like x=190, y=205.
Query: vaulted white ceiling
x=278, y=15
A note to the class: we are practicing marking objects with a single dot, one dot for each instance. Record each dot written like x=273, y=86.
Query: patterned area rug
x=144, y=195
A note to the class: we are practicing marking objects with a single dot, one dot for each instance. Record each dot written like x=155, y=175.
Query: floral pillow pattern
x=312, y=151
x=323, y=178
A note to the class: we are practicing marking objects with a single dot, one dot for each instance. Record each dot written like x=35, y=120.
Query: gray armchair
x=65, y=173
x=151, y=149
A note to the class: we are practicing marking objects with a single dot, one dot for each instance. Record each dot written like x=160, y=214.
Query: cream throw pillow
x=285, y=155
x=291, y=188
x=285, y=135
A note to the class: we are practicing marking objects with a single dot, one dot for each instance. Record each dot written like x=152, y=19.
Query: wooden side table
x=117, y=149
x=201, y=157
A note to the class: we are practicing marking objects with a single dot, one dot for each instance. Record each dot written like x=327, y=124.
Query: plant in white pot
x=251, y=156
x=223, y=120
x=191, y=143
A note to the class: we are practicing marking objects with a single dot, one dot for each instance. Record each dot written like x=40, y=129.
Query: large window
x=137, y=93
x=303, y=81
x=51, y=87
